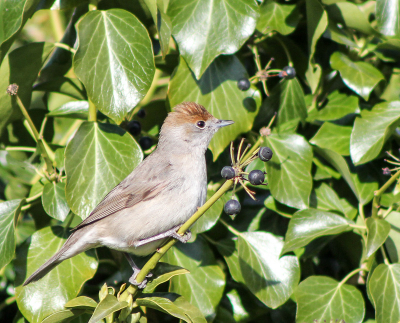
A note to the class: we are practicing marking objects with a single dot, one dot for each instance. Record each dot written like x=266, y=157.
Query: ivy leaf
x=361, y=77
x=72, y=109
x=307, y=225
x=372, y=130
x=229, y=250
x=217, y=91
x=327, y=199
x=388, y=17
x=162, y=273
x=392, y=244
x=333, y=137
x=173, y=304
x=54, y=201
x=339, y=105
x=82, y=302
x=225, y=26
x=291, y=163
x=63, y=316
x=323, y=298
x=98, y=158
x=378, y=231
x=114, y=60
x=384, y=286
x=107, y=306
x=12, y=70
x=60, y=285
x=287, y=98
x=317, y=21
x=282, y=18
x=270, y=277
x=208, y=219
x=68, y=86
x=9, y=212
x=349, y=15
x=191, y=286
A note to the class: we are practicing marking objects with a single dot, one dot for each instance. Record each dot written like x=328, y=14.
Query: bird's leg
x=136, y=271
x=170, y=233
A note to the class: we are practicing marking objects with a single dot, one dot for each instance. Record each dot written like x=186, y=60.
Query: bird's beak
x=223, y=123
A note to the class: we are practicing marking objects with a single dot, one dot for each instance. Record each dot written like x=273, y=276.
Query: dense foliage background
x=321, y=242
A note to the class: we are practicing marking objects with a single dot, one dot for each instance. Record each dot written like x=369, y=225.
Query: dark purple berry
x=134, y=128
x=232, y=207
x=256, y=177
x=141, y=113
x=145, y=142
x=265, y=153
x=243, y=84
x=228, y=172
x=288, y=72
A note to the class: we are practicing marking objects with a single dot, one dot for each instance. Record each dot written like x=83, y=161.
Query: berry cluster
x=135, y=129
x=255, y=177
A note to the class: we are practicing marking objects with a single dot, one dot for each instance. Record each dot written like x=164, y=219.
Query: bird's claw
x=142, y=284
x=185, y=238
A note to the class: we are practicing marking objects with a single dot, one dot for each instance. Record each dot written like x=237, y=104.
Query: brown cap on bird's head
x=187, y=112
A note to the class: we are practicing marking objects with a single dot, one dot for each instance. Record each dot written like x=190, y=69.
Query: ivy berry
x=265, y=154
x=228, y=172
x=256, y=177
x=243, y=84
x=134, y=128
x=232, y=207
x=145, y=143
x=288, y=72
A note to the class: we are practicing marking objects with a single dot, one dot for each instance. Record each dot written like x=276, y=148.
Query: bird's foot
x=185, y=238
x=142, y=284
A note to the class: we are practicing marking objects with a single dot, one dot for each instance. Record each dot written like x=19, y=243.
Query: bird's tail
x=53, y=261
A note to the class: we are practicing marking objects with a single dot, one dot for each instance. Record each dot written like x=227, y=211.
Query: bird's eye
x=201, y=124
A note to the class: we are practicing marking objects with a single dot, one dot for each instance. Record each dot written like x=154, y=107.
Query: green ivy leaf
x=362, y=184
x=282, y=18
x=333, y=137
x=82, y=302
x=114, y=60
x=9, y=212
x=217, y=91
x=72, y=109
x=287, y=98
x=270, y=277
x=191, y=286
x=384, y=286
x=378, y=231
x=372, y=130
x=307, y=225
x=361, y=77
x=63, y=316
x=392, y=244
x=22, y=67
x=289, y=170
x=225, y=26
x=388, y=17
x=48, y=295
x=98, y=153
x=325, y=198
x=173, y=304
x=163, y=273
x=208, y=219
x=349, y=15
x=339, y=105
x=54, y=201
x=64, y=85
x=279, y=208
x=229, y=250
x=323, y=298
x=317, y=21
x=107, y=306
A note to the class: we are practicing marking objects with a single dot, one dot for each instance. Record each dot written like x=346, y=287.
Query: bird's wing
x=141, y=185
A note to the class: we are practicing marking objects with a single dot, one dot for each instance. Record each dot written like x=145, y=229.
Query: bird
x=155, y=199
